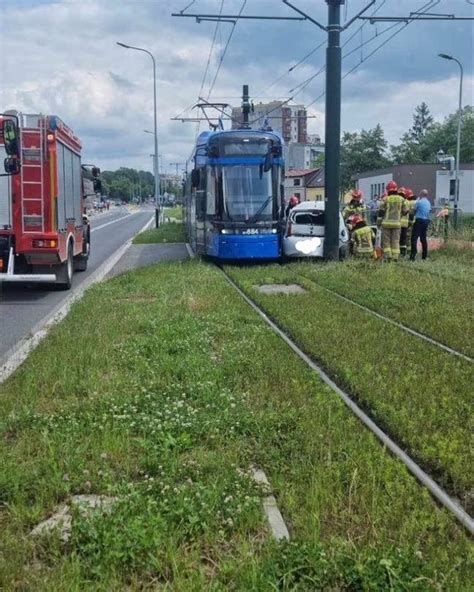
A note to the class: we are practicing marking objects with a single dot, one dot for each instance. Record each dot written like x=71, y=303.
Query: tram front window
x=247, y=193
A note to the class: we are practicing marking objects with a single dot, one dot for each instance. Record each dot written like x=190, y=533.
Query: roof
x=399, y=168
x=300, y=172
x=308, y=205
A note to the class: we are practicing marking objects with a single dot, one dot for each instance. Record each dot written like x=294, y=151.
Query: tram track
x=438, y=492
x=401, y=326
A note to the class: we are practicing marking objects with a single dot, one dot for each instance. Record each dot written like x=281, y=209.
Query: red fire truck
x=44, y=231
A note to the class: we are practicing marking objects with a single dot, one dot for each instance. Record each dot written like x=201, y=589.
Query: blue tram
x=234, y=195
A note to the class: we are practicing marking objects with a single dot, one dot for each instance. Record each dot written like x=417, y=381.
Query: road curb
x=18, y=353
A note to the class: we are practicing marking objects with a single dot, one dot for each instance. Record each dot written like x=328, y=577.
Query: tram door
x=201, y=221
x=199, y=214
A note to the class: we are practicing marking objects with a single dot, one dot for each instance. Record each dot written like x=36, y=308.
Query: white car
x=304, y=232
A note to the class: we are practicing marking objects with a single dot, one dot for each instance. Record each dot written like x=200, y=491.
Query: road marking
x=19, y=352
x=113, y=222
x=273, y=514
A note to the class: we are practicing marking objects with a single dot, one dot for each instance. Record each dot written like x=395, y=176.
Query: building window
x=296, y=182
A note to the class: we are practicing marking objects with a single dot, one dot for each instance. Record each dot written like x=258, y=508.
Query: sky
x=60, y=57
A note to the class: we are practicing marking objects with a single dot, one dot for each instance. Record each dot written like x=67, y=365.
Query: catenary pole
x=332, y=173
x=333, y=95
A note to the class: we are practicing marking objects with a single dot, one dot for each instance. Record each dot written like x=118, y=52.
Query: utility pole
x=333, y=91
x=245, y=106
x=177, y=165
x=332, y=173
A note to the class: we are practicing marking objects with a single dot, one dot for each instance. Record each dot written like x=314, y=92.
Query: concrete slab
x=280, y=289
x=273, y=514
x=61, y=520
x=143, y=255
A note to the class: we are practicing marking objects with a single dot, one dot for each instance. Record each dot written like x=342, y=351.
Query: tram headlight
x=225, y=231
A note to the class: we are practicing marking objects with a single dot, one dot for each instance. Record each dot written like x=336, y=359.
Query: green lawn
x=175, y=212
x=421, y=394
x=437, y=305
x=167, y=401
x=172, y=232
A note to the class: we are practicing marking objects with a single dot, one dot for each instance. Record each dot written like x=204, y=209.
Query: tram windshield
x=248, y=194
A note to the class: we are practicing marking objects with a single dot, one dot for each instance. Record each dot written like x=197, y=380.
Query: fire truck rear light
x=41, y=244
x=1, y=264
x=50, y=137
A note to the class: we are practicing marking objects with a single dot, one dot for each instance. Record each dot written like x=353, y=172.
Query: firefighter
x=363, y=237
x=391, y=210
x=294, y=201
x=355, y=206
x=403, y=225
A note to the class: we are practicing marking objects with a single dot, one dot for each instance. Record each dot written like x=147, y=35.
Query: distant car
x=304, y=232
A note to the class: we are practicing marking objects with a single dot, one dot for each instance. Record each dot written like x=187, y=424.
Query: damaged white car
x=304, y=233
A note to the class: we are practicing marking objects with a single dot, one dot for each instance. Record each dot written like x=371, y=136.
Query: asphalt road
x=23, y=306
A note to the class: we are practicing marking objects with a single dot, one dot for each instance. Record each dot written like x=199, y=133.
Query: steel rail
x=392, y=322
x=436, y=490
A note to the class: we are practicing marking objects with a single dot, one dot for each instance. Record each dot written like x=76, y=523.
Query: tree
x=422, y=121
x=412, y=149
x=436, y=136
x=362, y=151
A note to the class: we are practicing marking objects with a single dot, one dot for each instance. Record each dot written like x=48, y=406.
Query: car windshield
x=309, y=218
x=247, y=193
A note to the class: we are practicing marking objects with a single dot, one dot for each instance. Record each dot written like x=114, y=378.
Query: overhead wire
x=188, y=6
x=426, y=7
x=302, y=85
x=225, y=48
x=203, y=81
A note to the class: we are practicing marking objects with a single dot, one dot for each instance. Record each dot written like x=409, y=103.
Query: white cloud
x=61, y=58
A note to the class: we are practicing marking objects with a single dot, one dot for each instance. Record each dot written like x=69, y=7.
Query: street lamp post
x=156, y=167
x=458, y=146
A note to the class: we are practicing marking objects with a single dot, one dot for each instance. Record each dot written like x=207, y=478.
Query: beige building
x=306, y=184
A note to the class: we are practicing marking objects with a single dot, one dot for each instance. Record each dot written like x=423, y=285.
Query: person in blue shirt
x=420, y=226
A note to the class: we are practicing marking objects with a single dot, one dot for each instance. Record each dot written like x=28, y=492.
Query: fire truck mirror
x=10, y=138
x=11, y=165
x=95, y=171
x=97, y=185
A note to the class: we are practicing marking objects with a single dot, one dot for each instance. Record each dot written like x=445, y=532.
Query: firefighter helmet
x=391, y=187
x=402, y=191
x=409, y=193
x=356, y=219
x=294, y=201
x=356, y=194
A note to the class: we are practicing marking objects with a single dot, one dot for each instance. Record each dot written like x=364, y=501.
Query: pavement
x=143, y=255
x=24, y=306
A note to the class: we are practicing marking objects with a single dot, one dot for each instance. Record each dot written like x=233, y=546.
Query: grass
x=439, y=306
x=167, y=403
x=449, y=261
x=172, y=232
x=422, y=395
x=175, y=212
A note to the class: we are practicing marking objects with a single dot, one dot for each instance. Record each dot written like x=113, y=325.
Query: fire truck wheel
x=80, y=261
x=64, y=275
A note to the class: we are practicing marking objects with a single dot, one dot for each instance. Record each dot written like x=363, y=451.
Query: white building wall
x=371, y=186
x=292, y=189
x=466, y=189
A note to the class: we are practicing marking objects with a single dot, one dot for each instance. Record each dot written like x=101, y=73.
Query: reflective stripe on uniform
x=392, y=209
x=364, y=240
